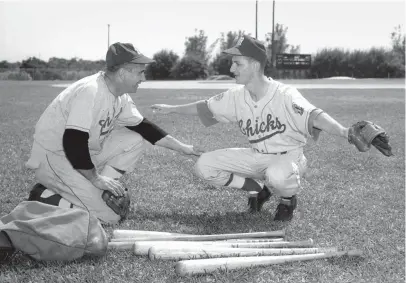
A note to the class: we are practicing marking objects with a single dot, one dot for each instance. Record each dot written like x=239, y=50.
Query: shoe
x=253, y=204
x=36, y=192
x=6, y=253
x=263, y=196
x=284, y=211
x=36, y=195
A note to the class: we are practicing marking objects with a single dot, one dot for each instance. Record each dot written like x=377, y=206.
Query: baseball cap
x=249, y=47
x=121, y=53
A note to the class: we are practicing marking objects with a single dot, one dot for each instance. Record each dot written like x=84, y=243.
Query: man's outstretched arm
x=184, y=109
x=327, y=124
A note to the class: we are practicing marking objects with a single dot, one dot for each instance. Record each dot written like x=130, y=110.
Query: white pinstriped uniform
x=88, y=106
x=280, y=122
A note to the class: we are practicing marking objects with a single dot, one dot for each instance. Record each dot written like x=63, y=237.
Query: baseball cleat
x=284, y=211
x=263, y=196
x=36, y=192
x=253, y=204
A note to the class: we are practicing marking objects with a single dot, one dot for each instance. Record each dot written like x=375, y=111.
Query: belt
x=274, y=153
x=277, y=153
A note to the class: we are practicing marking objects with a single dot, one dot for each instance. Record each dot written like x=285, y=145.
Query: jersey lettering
x=106, y=124
x=271, y=125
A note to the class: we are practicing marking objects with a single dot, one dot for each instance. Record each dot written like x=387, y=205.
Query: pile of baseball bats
x=199, y=254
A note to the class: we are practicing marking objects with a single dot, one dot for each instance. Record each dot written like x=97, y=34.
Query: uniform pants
x=121, y=150
x=281, y=173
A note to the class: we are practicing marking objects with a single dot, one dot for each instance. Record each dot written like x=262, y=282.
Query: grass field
x=351, y=200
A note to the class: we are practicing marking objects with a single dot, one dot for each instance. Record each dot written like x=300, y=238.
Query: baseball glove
x=120, y=205
x=364, y=133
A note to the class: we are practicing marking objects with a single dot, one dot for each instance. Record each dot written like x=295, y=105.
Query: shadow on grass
x=20, y=259
x=213, y=223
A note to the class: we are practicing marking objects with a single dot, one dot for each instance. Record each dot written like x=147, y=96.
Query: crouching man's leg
x=284, y=176
x=236, y=168
x=63, y=186
x=46, y=232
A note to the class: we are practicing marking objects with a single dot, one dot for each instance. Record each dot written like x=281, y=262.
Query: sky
x=68, y=29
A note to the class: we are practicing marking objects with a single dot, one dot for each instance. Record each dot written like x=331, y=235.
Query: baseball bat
x=175, y=253
x=201, y=266
x=142, y=234
x=142, y=247
x=215, y=237
x=121, y=246
x=257, y=240
x=253, y=240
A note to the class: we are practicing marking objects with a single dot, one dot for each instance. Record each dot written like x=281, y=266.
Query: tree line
x=201, y=61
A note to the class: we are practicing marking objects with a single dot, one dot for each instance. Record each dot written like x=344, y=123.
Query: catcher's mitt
x=364, y=133
x=120, y=205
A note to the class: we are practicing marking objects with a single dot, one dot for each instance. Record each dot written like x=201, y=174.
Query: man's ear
x=120, y=73
x=255, y=65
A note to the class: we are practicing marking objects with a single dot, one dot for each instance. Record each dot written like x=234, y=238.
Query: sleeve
x=301, y=112
x=80, y=113
x=149, y=131
x=130, y=116
x=75, y=145
x=219, y=108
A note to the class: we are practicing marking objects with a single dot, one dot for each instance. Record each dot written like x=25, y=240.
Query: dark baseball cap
x=249, y=47
x=121, y=53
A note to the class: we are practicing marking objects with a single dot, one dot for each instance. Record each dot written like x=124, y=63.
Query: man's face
x=132, y=75
x=242, y=68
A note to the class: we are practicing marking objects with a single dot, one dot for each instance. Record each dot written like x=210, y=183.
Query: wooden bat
x=201, y=266
x=142, y=234
x=142, y=247
x=258, y=240
x=215, y=237
x=121, y=246
x=178, y=253
x=253, y=240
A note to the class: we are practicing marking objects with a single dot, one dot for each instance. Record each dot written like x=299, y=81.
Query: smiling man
x=91, y=134
x=276, y=119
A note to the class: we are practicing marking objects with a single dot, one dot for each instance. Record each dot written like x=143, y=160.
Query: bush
x=161, y=68
x=372, y=63
x=221, y=65
x=15, y=76
x=190, y=68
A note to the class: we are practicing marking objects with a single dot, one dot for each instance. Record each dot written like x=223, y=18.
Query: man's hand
x=162, y=108
x=192, y=150
x=108, y=184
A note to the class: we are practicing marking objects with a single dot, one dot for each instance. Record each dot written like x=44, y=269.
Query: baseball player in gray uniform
x=91, y=134
x=277, y=121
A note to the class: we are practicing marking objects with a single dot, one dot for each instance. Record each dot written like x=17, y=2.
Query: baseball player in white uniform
x=91, y=134
x=277, y=121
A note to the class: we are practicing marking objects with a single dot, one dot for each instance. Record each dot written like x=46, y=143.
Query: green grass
x=351, y=200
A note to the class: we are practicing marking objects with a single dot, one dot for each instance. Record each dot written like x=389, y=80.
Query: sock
x=50, y=197
x=253, y=194
x=252, y=185
x=112, y=172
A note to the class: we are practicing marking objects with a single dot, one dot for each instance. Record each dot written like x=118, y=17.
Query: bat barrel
x=200, y=266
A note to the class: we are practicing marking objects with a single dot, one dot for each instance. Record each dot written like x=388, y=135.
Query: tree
x=165, y=61
x=34, y=67
x=193, y=65
x=280, y=46
x=4, y=66
x=221, y=63
x=195, y=46
x=398, y=43
x=190, y=68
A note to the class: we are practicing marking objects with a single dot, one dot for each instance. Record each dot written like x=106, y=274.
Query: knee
x=276, y=177
x=97, y=240
x=202, y=166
